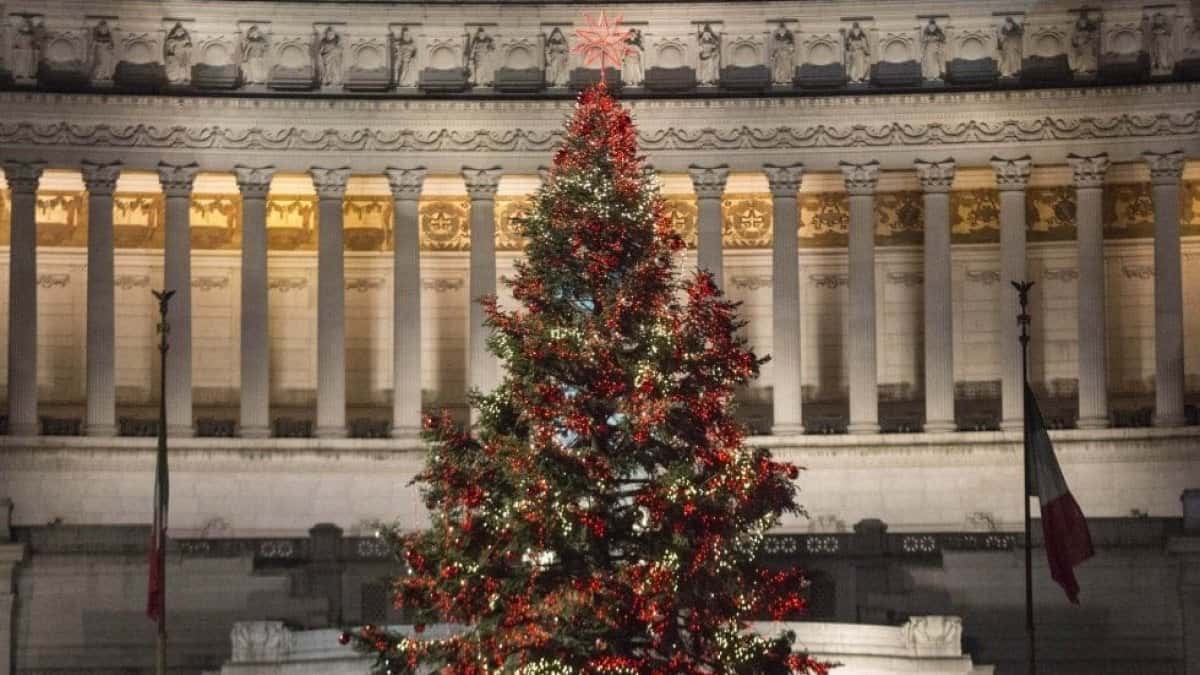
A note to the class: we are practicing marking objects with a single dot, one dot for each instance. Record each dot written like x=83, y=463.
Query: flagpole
x=1023, y=321
x=164, y=328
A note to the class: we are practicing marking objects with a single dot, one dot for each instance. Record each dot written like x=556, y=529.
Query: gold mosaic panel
x=445, y=224
x=899, y=218
x=138, y=219
x=61, y=218
x=824, y=219
x=746, y=221
x=367, y=223
x=1050, y=213
x=5, y=218
x=1128, y=211
x=292, y=222
x=975, y=216
x=1190, y=211
x=508, y=211
x=682, y=213
x=216, y=222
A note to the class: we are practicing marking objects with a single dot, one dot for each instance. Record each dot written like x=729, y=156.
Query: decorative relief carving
x=364, y=284
x=899, y=218
x=983, y=277
x=824, y=219
x=1142, y=272
x=209, y=283
x=829, y=281
x=128, y=282
x=138, y=219
x=682, y=214
x=53, y=280
x=367, y=222
x=445, y=224
x=260, y=641
x=291, y=222
x=751, y=283
x=747, y=221
x=509, y=211
x=1060, y=274
x=974, y=216
x=443, y=284
x=216, y=221
x=1050, y=213
x=61, y=218
x=287, y=284
x=1128, y=210
x=906, y=279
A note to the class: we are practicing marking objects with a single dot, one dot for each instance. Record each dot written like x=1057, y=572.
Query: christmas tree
x=604, y=516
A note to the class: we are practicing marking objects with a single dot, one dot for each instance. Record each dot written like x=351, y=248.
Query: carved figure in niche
x=479, y=58
x=1010, y=44
x=1162, y=53
x=26, y=50
x=329, y=58
x=102, y=52
x=177, y=54
x=633, y=68
x=783, y=55
x=404, y=58
x=858, y=54
x=933, y=51
x=1085, y=45
x=254, y=56
x=710, y=55
x=557, y=57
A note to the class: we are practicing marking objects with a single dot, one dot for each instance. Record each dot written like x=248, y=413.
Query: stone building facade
x=327, y=185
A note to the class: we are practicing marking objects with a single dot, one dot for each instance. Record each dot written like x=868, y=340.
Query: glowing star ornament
x=602, y=41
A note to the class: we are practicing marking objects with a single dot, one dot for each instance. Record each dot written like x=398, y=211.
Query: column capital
x=177, y=179
x=935, y=176
x=1088, y=170
x=100, y=178
x=254, y=181
x=330, y=183
x=1165, y=167
x=861, y=179
x=482, y=183
x=709, y=181
x=23, y=176
x=784, y=181
x=406, y=183
x=1012, y=174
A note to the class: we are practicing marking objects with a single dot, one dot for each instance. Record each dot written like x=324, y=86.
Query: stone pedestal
x=785, y=297
x=330, y=185
x=936, y=180
x=23, y=181
x=861, y=180
x=1012, y=175
x=709, y=183
x=177, y=181
x=1089, y=227
x=255, y=183
x=101, y=181
x=406, y=301
x=481, y=188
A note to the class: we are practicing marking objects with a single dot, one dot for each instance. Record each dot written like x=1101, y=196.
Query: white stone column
x=177, y=181
x=709, y=183
x=481, y=188
x=1166, y=172
x=331, y=302
x=1012, y=175
x=406, y=301
x=936, y=180
x=861, y=181
x=23, y=178
x=255, y=422
x=1089, y=238
x=784, y=182
x=101, y=182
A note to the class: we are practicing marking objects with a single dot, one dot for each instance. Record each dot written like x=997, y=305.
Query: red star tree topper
x=602, y=41
x=605, y=517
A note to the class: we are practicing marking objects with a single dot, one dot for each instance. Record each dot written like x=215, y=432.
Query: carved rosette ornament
x=254, y=182
x=861, y=179
x=100, y=178
x=482, y=183
x=406, y=183
x=935, y=176
x=177, y=179
x=23, y=177
x=1165, y=167
x=709, y=181
x=1088, y=171
x=1012, y=174
x=784, y=181
x=330, y=183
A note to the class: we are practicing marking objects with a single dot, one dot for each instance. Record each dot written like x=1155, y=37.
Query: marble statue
x=709, y=44
x=1162, y=52
x=404, y=58
x=857, y=48
x=933, y=51
x=102, y=52
x=1010, y=45
x=633, y=68
x=254, y=57
x=480, y=47
x=1085, y=45
x=783, y=55
x=557, y=53
x=177, y=54
x=329, y=58
x=26, y=51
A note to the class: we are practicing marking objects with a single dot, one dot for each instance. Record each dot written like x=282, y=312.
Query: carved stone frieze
x=829, y=281
x=53, y=280
x=287, y=284
x=364, y=284
x=751, y=282
x=443, y=284
x=209, y=283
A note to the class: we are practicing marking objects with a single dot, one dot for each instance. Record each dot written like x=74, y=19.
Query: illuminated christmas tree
x=604, y=516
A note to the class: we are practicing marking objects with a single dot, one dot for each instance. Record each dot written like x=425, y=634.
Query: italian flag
x=1064, y=527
